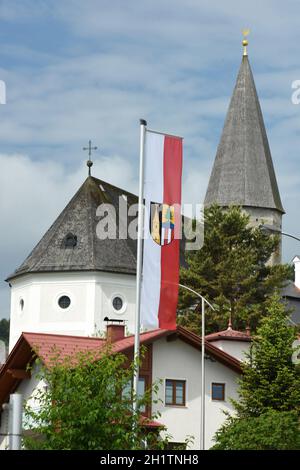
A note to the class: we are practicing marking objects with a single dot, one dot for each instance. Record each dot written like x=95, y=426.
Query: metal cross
x=89, y=162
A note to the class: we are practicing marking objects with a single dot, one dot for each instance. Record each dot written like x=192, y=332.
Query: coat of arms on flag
x=162, y=223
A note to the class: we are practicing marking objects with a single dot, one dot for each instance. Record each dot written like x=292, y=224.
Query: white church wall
x=91, y=295
x=296, y=262
x=118, y=286
x=234, y=348
x=178, y=360
x=261, y=216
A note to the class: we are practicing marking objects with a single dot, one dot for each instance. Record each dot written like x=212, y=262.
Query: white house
x=172, y=356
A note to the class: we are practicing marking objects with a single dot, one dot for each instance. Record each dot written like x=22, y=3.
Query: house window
x=127, y=391
x=218, y=391
x=175, y=392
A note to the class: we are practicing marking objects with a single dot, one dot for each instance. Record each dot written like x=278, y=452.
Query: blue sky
x=78, y=70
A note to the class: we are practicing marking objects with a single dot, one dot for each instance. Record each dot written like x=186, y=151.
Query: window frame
x=174, y=382
x=223, y=384
x=127, y=394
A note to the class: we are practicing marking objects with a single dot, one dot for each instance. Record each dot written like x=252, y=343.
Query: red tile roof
x=228, y=334
x=45, y=345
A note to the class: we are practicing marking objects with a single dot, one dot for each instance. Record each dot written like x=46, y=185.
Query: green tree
x=85, y=405
x=270, y=379
x=273, y=430
x=231, y=271
x=268, y=409
x=4, y=330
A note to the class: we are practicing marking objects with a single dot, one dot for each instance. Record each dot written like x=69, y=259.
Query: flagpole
x=143, y=125
x=202, y=409
x=202, y=419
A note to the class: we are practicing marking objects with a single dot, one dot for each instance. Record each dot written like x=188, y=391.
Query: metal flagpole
x=143, y=125
x=202, y=424
x=202, y=415
x=15, y=421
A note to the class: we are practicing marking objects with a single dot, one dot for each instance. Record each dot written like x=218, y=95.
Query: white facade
x=34, y=303
x=178, y=360
x=173, y=360
x=28, y=388
x=296, y=262
x=237, y=349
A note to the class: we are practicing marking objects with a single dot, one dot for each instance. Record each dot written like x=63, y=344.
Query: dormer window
x=70, y=241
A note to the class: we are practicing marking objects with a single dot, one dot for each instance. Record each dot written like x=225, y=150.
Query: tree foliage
x=268, y=409
x=83, y=405
x=4, y=330
x=231, y=271
x=270, y=379
x=273, y=430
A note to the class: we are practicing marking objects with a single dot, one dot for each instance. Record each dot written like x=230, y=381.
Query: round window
x=64, y=301
x=117, y=303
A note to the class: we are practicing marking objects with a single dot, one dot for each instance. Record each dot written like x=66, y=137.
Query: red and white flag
x=162, y=228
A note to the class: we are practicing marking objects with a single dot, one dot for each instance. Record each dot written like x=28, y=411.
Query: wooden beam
x=19, y=373
x=172, y=337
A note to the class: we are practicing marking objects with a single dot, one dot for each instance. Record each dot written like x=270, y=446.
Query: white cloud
x=117, y=62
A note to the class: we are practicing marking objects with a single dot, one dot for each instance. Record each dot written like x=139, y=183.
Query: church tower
x=73, y=279
x=243, y=172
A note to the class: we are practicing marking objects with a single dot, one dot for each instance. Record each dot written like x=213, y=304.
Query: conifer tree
x=231, y=270
x=268, y=409
x=270, y=379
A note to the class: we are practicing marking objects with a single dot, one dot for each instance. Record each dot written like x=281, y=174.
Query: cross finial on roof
x=89, y=162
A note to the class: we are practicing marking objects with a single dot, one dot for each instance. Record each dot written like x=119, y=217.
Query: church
x=74, y=287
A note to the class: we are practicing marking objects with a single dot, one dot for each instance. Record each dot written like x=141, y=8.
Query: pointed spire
x=243, y=172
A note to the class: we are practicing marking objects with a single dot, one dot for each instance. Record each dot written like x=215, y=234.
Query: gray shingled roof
x=243, y=171
x=90, y=254
x=79, y=218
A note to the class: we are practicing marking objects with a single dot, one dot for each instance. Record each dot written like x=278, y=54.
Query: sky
x=77, y=70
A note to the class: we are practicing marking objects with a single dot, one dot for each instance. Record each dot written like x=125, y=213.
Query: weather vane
x=89, y=162
x=245, y=40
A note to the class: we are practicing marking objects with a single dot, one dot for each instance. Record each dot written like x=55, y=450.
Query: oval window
x=64, y=301
x=117, y=303
x=22, y=304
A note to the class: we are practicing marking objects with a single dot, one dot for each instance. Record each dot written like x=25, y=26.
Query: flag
x=162, y=228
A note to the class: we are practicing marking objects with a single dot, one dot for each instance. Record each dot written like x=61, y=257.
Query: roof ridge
x=61, y=335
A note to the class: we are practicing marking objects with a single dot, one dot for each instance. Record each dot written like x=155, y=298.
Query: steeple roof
x=243, y=172
x=84, y=251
